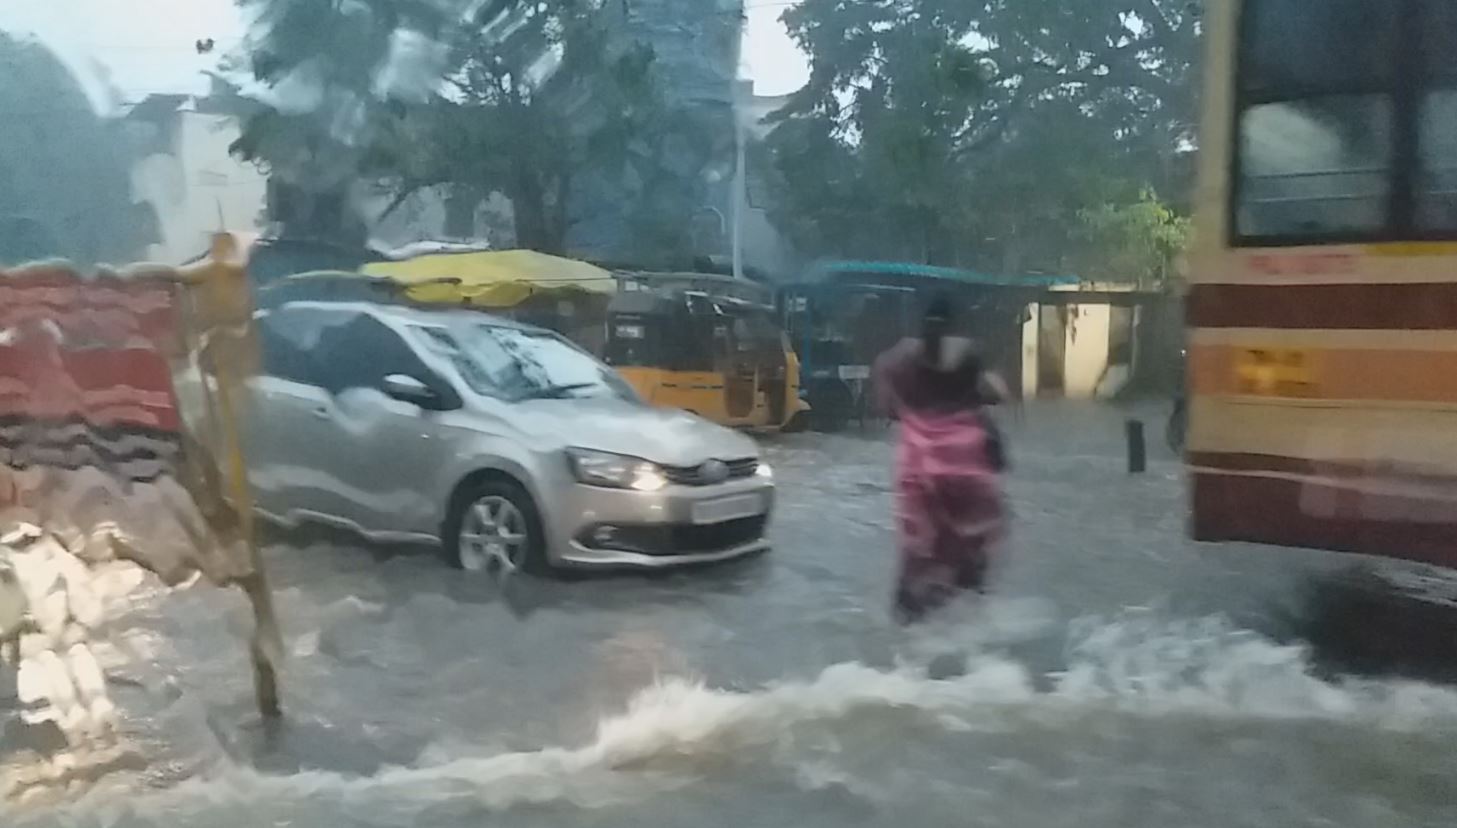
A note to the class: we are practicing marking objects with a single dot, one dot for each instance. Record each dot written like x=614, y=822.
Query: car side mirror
x=406, y=388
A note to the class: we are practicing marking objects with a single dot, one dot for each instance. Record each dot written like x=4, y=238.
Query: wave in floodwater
x=678, y=732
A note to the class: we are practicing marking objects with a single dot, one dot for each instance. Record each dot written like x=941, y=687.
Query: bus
x=1322, y=305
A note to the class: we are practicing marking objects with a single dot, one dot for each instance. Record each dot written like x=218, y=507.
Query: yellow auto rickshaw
x=720, y=357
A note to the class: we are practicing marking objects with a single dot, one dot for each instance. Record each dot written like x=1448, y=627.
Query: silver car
x=508, y=445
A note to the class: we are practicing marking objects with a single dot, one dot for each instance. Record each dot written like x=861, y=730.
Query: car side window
x=363, y=351
x=289, y=340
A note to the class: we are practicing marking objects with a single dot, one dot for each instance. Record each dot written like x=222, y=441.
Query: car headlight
x=616, y=471
x=765, y=471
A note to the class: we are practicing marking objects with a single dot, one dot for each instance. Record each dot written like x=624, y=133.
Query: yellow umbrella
x=493, y=278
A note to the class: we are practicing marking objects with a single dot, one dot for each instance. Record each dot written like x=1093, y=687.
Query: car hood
x=667, y=436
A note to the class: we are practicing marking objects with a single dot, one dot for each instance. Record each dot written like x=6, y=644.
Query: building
x=1093, y=341
x=696, y=46
x=764, y=248
x=185, y=171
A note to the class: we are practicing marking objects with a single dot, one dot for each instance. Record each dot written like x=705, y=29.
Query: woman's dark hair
x=934, y=325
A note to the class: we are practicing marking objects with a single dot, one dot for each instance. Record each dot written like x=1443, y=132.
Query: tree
x=1138, y=242
x=332, y=83
x=887, y=103
x=65, y=189
x=558, y=104
x=975, y=133
x=569, y=103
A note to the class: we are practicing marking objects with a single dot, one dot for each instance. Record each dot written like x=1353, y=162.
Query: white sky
x=145, y=46
x=771, y=59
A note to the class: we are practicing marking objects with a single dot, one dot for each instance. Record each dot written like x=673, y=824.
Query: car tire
x=494, y=527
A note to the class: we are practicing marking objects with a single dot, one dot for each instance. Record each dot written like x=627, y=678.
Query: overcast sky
x=144, y=46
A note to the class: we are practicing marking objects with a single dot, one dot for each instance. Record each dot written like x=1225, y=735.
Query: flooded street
x=1120, y=676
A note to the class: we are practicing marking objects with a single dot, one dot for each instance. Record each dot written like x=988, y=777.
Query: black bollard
x=1137, y=451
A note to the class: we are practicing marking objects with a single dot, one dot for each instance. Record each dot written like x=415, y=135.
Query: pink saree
x=948, y=497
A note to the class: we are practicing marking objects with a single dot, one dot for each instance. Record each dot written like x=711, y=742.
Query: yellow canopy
x=492, y=278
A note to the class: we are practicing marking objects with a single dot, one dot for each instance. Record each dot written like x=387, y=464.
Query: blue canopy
x=825, y=271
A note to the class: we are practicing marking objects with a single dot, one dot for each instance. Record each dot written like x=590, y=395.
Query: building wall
x=1087, y=350
x=765, y=249
x=1030, y=330
x=195, y=186
x=1081, y=351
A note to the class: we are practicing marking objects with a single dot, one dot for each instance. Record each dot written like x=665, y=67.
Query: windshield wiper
x=558, y=392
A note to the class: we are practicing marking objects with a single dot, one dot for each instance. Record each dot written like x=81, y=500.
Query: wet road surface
x=1120, y=676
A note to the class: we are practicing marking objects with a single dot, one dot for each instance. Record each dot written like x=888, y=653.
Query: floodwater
x=1121, y=676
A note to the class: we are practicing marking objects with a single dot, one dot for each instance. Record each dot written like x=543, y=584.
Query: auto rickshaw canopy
x=493, y=278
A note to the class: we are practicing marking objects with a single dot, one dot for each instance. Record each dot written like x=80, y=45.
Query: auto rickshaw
x=721, y=357
x=844, y=314
x=839, y=330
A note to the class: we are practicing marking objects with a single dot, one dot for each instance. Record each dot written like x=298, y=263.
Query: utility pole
x=741, y=195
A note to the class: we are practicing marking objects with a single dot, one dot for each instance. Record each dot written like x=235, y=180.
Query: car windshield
x=518, y=364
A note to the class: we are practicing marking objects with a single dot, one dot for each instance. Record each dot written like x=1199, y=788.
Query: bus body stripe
x=1336, y=374
x=1407, y=306
x=1292, y=512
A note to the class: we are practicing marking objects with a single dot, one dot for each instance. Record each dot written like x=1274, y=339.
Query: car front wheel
x=494, y=527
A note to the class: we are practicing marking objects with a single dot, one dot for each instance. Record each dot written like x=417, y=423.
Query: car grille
x=682, y=539
x=718, y=536
x=693, y=475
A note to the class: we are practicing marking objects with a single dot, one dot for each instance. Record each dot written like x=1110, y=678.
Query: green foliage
x=543, y=101
x=338, y=78
x=1138, y=242
x=570, y=104
x=65, y=189
x=979, y=133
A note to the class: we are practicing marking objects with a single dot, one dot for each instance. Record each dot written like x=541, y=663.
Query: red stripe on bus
x=1243, y=508
x=1426, y=307
x=1333, y=469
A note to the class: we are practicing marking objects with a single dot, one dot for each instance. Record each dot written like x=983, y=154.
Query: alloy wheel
x=493, y=536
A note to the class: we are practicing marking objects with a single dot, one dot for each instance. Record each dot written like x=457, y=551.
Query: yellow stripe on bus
x=1410, y=249
x=1346, y=374
x=1346, y=432
x=1432, y=340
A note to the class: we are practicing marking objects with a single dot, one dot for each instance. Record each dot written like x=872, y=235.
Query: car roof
x=414, y=314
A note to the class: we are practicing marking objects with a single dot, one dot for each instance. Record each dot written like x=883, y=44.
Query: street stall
x=121, y=395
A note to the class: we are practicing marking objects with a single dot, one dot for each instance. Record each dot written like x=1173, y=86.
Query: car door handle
x=321, y=413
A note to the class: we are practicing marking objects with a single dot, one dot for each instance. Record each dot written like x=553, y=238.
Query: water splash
x=678, y=730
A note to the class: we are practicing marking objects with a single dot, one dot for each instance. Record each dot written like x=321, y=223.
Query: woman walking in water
x=948, y=496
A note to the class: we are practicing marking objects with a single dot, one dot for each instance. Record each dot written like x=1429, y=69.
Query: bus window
x=1346, y=122
x=1436, y=208
x=1316, y=167
x=1436, y=186
x=1317, y=122
x=1288, y=50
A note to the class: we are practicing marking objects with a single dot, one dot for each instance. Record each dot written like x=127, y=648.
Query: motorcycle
x=1176, y=430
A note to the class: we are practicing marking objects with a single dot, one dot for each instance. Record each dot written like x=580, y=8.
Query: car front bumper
x=598, y=528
